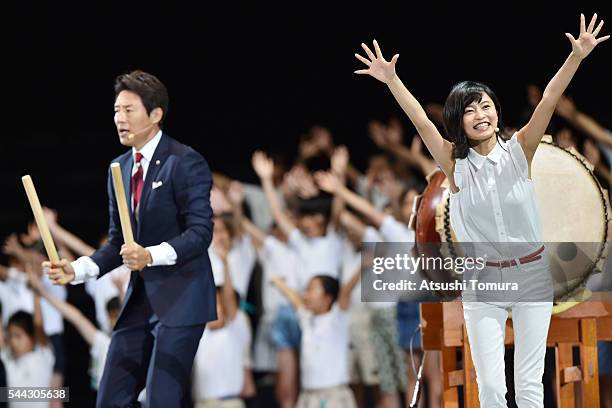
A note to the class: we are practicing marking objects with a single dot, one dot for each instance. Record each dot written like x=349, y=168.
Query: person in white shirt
x=318, y=247
x=28, y=359
x=324, y=322
x=274, y=350
x=384, y=334
x=493, y=200
x=241, y=258
x=218, y=378
x=313, y=235
x=363, y=362
x=17, y=295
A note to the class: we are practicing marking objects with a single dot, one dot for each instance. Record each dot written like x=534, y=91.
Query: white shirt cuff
x=84, y=269
x=162, y=255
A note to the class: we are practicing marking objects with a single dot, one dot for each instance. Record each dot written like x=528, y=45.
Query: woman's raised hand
x=587, y=40
x=378, y=67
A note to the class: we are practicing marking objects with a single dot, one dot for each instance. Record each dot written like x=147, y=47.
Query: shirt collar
x=149, y=148
x=494, y=156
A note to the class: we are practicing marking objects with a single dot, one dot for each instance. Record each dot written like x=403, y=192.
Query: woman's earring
x=496, y=130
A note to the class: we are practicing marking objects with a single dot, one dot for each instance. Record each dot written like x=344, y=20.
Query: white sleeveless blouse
x=496, y=202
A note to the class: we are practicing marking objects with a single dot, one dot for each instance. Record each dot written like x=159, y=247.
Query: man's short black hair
x=151, y=90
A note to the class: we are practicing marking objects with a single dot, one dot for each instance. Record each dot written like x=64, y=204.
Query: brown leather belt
x=512, y=262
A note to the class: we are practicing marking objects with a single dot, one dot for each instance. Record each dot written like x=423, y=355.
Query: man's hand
x=60, y=273
x=135, y=257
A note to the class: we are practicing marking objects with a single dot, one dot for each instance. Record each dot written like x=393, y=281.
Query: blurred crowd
x=286, y=257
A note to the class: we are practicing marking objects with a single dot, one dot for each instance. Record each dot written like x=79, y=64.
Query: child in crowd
x=324, y=323
x=219, y=365
x=28, y=359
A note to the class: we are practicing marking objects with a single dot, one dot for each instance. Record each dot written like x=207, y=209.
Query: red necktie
x=137, y=181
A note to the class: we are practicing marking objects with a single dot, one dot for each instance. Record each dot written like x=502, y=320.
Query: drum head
x=574, y=213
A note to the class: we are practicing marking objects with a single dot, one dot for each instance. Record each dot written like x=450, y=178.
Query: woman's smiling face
x=480, y=119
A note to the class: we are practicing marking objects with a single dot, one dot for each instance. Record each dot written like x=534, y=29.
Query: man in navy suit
x=171, y=294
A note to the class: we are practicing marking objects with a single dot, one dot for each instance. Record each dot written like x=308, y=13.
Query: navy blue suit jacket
x=177, y=212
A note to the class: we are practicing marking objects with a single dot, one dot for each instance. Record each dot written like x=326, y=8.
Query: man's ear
x=156, y=115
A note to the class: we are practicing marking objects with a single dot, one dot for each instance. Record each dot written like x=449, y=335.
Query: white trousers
x=486, y=327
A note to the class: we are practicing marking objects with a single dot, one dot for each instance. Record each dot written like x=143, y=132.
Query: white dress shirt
x=496, y=202
x=163, y=254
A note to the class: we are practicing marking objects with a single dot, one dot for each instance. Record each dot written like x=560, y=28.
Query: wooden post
x=564, y=390
x=588, y=363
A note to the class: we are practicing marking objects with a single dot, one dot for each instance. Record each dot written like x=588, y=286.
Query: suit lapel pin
x=157, y=163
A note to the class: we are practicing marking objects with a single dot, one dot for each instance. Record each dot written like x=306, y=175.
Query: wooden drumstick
x=124, y=214
x=41, y=222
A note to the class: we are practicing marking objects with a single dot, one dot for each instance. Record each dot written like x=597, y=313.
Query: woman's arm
x=530, y=135
x=384, y=71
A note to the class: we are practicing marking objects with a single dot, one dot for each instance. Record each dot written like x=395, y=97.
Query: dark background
x=248, y=76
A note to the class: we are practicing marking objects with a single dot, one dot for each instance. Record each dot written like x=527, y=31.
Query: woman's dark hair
x=331, y=286
x=23, y=320
x=151, y=90
x=463, y=94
